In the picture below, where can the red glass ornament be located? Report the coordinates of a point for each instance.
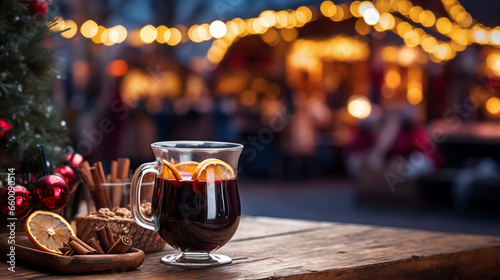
(68, 174)
(19, 197)
(74, 159)
(51, 193)
(39, 7)
(4, 126)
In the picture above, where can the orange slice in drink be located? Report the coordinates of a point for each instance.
(187, 166)
(168, 171)
(48, 231)
(221, 170)
(186, 169)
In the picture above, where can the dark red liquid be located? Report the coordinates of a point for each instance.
(194, 216)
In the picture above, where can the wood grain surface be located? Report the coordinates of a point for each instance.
(270, 248)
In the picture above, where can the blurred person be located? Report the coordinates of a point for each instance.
(391, 147)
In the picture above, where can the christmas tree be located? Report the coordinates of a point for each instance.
(27, 77)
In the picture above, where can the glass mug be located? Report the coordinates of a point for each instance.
(196, 204)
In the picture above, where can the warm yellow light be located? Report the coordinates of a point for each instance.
(339, 14)
(89, 29)
(289, 34)
(480, 35)
(427, 18)
(359, 107)
(121, 32)
(113, 35)
(403, 28)
(148, 34)
(160, 37)
(271, 37)
(364, 6)
(303, 14)
(371, 16)
(493, 63)
(258, 27)
(389, 54)
(495, 36)
(460, 36)
(268, 18)
(72, 29)
(386, 21)
(204, 32)
(361, 27)
(106, 39)
(282, 18)
(354, 8)
(175, 36)
(455, 10)
(442, 51)
(97, 37)
(242, 27)
(411, 39)
(218, 29)
(392, 78)
(429, 43)
(415, 13)
(443, 25)
(414, 96)
(448, 2)
(404, 7)
(467, 21)
(493, 105)
(248, 97)
(232, 29)
(327, 8)
(407, 55)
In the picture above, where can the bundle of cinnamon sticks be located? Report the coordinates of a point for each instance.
(104, 244)
(94, 178)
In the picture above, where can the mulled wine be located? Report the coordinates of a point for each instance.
(196, 216)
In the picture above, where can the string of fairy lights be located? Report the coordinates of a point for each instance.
(408, 21)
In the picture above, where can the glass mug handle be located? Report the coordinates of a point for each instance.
(135, 190)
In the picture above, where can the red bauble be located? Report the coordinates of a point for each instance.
(74, 159)
(4, 126)
(68, 174)
(39, 7)
(19, 198)
(51, 193)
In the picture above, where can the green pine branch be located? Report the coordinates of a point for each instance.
(27, 78)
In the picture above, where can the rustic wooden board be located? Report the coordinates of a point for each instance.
(267, 248)
(26, 251)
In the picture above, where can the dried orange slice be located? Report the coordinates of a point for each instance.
(48, 231)
(168, 171)
(187, 166)
(221, 170)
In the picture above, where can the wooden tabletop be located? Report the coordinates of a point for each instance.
(270, 248)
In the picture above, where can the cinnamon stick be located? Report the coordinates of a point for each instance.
(85, 169)
(102, 197)
(101, 172)
(103, 238)
(64, 249)
(114, 170)
(125, 169)
(83, 244)
(95, 244)
(121, 246)
(78, 249)
(109, 234)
